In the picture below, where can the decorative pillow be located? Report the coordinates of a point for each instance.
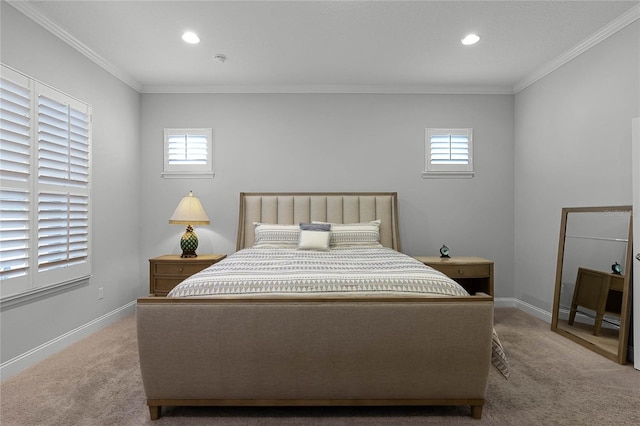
(315, 226)
(314, 240)
(365, 234)
(276, 236)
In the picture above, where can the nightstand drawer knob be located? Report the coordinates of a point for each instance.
(461, 271)
(181, 269)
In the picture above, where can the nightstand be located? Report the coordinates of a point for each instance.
(166, 272)
(475, 274)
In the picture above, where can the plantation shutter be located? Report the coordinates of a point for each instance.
(449, 149)
(63, 175)
(63, 151)
(15, 104)
(15, 159)
(45, 186)
(188, 153)
(187, 149)
(449, 152)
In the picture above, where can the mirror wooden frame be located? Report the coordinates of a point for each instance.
(620, 356)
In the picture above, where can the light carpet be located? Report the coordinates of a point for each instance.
(553, 382)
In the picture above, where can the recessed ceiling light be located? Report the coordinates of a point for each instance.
(191, 37)
(470, 39)
(220, 57)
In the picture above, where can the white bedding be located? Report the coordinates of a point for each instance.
(338, 272)
(335, 272)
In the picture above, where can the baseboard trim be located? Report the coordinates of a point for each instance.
(512, 302)
(21, 362)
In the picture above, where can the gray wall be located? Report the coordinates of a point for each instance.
(338, 142)
(115, 188)
(326, 142)
(573, 148)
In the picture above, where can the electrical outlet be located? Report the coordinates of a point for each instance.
(100, 292)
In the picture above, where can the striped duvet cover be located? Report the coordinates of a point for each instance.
(335, 272)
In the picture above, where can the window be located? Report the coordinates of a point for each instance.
(188, 153)
(45, 170)
(448, 153)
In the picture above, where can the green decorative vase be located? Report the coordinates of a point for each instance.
(189, 243)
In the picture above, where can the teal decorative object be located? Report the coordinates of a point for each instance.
(616, 268)
(189, 243)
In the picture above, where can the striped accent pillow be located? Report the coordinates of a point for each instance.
(276, 236)
(365, 234)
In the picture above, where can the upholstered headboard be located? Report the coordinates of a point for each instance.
(336, 207)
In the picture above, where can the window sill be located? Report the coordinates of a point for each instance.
(187, 175)
(447, 175)
(41, 292)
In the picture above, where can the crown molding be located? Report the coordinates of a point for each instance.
(605, 32)
(336, 89)
(35, 14)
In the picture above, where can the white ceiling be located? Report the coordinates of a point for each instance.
(330, 46)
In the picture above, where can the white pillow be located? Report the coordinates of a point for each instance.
(314, 240)
(276, 236)
(364, 234)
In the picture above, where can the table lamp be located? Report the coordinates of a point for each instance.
(189, 212)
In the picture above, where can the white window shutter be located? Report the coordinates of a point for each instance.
(79, 147)
(448, 153)
(45, 172)
(63, 152)
(449, 149)
(15, 106)
(15, 172)
(63, 229)
(63, 128)
(188, 153)
(14, 233)
(187, 149)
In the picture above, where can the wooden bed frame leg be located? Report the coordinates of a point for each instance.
(476, 411)
(154, 411)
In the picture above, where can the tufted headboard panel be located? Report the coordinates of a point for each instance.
(337, 207)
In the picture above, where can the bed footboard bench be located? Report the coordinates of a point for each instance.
(315, 352)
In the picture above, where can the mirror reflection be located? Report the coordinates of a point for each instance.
(592, 297)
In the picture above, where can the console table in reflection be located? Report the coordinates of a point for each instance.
(598, 291)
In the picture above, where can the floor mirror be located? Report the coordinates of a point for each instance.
(592, 297)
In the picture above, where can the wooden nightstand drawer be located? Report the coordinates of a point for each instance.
(179, 269)
(475, 274)
(166, 272)
(163, 285)
(464, 271)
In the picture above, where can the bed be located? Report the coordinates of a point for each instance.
(310, 342)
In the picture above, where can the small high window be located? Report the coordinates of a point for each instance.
(448, 153)
(188, 153)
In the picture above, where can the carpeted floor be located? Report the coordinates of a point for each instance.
(553, 382)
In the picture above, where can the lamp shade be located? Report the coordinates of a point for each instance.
(189, 212)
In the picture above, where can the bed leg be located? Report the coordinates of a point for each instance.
(154, 411)
(476, 411)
